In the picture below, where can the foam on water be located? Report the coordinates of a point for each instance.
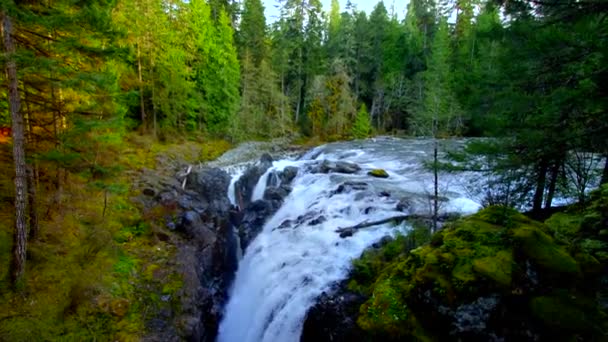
(298, 255)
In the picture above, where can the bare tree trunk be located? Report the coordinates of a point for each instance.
(436, 185)
(32, 171)
(552, 183)
(537, 201)
(605, 173)
(20, 237)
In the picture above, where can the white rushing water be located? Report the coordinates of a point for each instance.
(298, 254)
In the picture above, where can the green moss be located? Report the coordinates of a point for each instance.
(379, 173)
(588, 264)
(463, 272)
(592, 245)
(500, 215)
(497, 268)
(560, 313)
(541, 248)
(385, 311)
(564, 226)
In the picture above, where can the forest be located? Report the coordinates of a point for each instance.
(92, 89)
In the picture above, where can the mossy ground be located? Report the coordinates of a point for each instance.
(99, 266)
(551, 272)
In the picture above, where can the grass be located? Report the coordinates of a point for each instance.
(92, 272)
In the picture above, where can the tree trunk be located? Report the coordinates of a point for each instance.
(436, 186)
(605, 173)
(552, 184)
(537, 201)
(20, 237)
(32, 171)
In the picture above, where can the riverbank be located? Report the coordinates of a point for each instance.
(493, 276)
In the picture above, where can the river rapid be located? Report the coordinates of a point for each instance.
(298, 254)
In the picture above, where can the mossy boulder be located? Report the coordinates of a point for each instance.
(378, 173)
(497, 268)
(561, 312)
(563, 226)
(497, 253)
(543, 251)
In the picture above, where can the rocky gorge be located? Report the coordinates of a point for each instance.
(261, 259)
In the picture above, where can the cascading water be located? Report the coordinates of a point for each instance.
(298, 254)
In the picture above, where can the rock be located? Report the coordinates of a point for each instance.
(404, 205)
(288, 174)
(333, 318)
(543, 251)
(347, 233)
(211, 187)
(318, 221)
(149, 192)
(254, 218)
(244, 186)
(327, 166)
(474, 317)
(277, 194)
(497, 268)
(349, 186)
(378, 173)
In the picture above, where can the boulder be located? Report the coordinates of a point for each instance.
(254, 218)
(244, 186)
(378, 173)
(211, 188)
(288, 174)
(333, 318)
(327, 166)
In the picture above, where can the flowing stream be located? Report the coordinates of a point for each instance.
(298, 254)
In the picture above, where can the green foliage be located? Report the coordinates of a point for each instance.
(362, 125)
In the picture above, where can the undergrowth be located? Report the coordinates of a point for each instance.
(98, 266)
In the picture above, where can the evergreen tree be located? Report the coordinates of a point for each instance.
(362, 125)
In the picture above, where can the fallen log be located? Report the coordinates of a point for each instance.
(349, 231)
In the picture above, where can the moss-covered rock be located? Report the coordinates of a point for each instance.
(496, 253)
(378, 173)
(560, 312)
(497, 268)
(543, 250)
(564, 226)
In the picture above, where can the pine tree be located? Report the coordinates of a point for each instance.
(362, 125)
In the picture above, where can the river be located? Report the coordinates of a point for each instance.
(298, 254)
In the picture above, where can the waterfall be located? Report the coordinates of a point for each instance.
(260, 187)
(298, 254)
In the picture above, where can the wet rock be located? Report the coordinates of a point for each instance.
(378, 173)
(347, 233)
(277, 194)
(327, 166)
(254, 218)
(333, 318)
(244, 186)
(318, 221)
(348, 186)
(405, 205)
(288, 174)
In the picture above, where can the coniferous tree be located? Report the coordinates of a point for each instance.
(362, 125)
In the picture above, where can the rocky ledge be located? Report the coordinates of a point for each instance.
(493, 276)
(208, 232)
